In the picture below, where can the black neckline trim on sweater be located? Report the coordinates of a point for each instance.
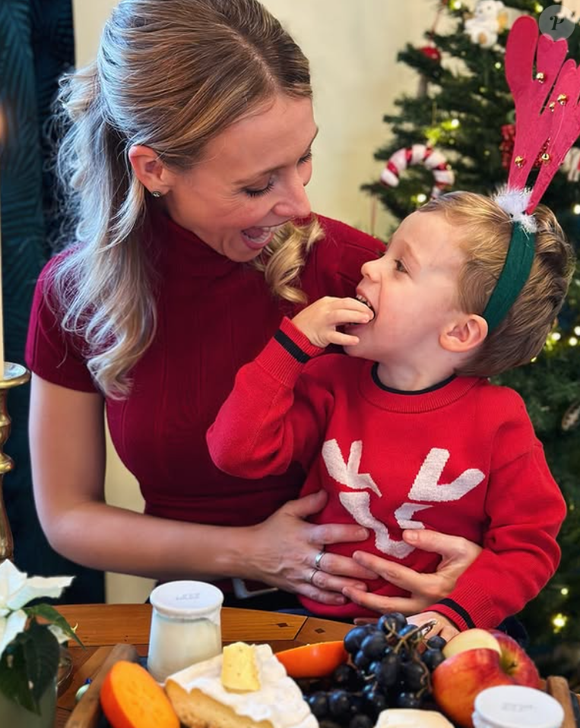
(433, 388)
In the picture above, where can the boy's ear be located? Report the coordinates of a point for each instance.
(464, 334)
(149, 169)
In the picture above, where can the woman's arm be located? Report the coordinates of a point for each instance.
(67, 443)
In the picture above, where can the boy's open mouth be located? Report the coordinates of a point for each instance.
(362, 299)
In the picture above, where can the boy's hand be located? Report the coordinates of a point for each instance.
(444, 626)
(320, 320)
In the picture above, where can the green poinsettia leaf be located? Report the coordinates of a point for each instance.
(45, 611)
(41, 656)
(13, 676)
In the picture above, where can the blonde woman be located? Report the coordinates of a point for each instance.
(186, 164)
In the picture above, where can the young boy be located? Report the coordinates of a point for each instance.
(407, 432)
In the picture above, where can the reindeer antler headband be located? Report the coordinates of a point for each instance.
(547, 123)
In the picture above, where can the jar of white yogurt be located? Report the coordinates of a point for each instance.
(185, 626)
(516, 706)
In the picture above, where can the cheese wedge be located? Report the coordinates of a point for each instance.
(239, 668)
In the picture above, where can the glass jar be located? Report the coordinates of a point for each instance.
(185, 626)
(515, 706)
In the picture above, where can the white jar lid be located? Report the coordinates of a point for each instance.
(515, 706)
(183, 599)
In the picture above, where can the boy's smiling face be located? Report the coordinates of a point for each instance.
(412, 290)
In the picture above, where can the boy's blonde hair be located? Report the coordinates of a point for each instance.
(488, 230)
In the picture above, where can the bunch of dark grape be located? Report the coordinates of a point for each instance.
(390, 666)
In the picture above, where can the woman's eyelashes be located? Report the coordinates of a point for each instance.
(264, 190)
(400, 267)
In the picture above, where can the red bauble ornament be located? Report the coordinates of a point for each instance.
(432, 52)
(508, 132)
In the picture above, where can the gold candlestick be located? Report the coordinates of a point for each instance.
(14, 376)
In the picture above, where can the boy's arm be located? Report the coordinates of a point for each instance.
(266, 423)
(526, 510)
(261, 427)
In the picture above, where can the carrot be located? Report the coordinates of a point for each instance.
(315, 660)
(131, 698)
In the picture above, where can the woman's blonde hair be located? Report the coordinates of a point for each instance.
(487, 234)
(170, 75)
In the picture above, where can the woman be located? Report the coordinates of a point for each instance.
(186, 161)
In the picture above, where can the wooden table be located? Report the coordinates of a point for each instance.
(102, 626)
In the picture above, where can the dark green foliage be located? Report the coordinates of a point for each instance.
(29, 665)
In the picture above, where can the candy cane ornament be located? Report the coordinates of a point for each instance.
(419, 154)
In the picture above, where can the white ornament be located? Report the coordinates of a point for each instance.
(490, 18)
(571, 165)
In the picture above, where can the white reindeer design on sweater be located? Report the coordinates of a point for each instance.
(426, 487)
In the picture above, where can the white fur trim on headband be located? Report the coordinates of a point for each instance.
(514, 202)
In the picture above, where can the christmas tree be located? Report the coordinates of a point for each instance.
(463, 113)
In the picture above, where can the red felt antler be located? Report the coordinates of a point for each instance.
(547, 110)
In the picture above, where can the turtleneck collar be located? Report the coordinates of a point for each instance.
(181, 251)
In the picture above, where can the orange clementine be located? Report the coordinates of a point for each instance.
(315, 660)
(131, 698)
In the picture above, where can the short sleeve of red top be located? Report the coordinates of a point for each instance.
(214, 315)
(50, 352)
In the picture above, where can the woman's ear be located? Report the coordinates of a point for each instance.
(149, 169)
(464, 334)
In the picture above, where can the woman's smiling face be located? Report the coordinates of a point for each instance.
(250, 181)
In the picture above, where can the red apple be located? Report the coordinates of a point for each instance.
(471, 639)
(516, 662)
(461, 677)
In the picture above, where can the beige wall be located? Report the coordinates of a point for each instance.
(352, 46)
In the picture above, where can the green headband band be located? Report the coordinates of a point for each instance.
(513, 277)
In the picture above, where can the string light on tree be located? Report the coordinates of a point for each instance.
(559, 621)
(564, 591)
(576, 209)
